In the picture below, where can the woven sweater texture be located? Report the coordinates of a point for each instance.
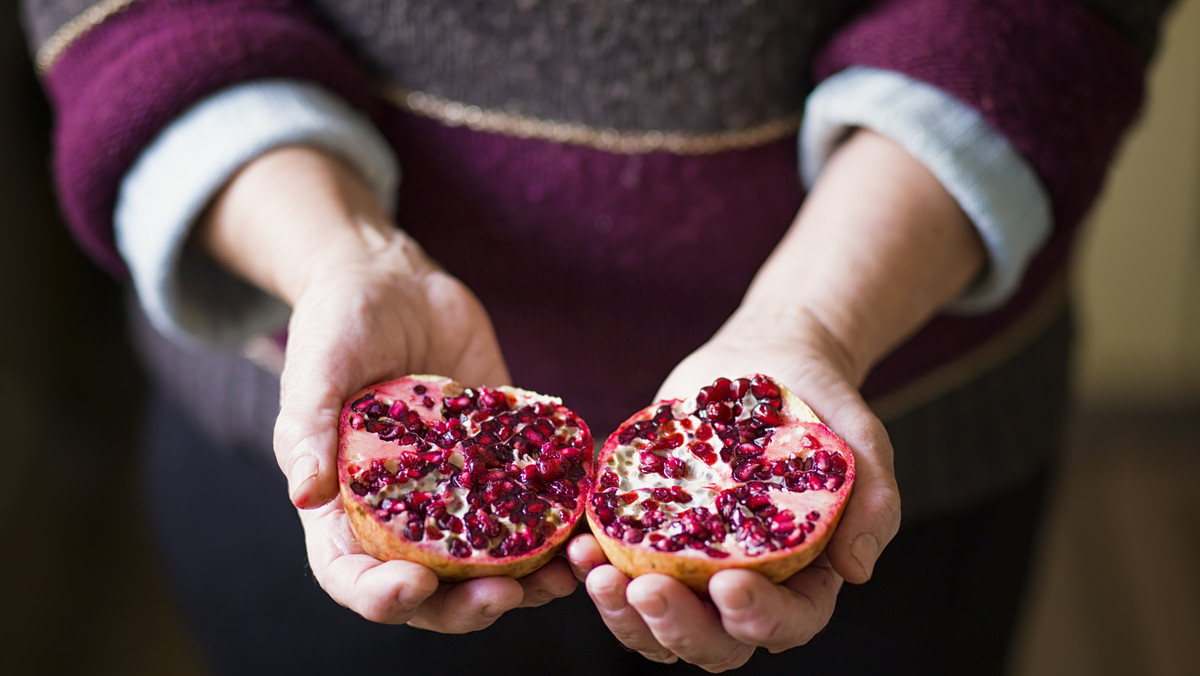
(602, 269)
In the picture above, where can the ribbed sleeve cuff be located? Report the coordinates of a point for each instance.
(975, 163)
(182, 291)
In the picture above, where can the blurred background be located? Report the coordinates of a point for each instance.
(1117, 589)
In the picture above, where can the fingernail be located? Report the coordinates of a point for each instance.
(610, 600)
(653, 606)
(304, 470)
(409, 597)
(865, 550)
(491, 612)
(736, 599)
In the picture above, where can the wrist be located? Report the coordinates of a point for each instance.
(796, 329)
(877, 249)
(297, 214)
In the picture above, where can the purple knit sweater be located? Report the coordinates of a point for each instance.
(602, 269)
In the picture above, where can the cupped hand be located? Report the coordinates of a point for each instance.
(663, 619)
(354, 326)
(368, 305)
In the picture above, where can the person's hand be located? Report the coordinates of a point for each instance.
(663, 619)
(878, 247)
(368, 305)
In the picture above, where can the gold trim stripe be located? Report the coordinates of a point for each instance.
(620, 141)
(960, 370)
(76, 28)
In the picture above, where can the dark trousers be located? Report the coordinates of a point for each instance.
(945, 597)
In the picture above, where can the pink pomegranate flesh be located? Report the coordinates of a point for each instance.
(468, 481)
(743, 474)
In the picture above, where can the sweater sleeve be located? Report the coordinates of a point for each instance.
(184, 293)
(991, 182)
(118, 83)
(1057, 80)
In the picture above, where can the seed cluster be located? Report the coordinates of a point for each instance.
(482, 474)
(731, 424)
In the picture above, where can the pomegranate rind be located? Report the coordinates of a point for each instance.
(383, 539)
(694, 567)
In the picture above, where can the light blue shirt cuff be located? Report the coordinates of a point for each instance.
(990, 180)
(184, 293)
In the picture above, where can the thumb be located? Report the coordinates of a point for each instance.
(872, 517)
(306, 430)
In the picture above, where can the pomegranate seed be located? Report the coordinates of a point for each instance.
(839, 465)
(746, 470)
(763, 388)
(413, 530)
(675, 468)
(703, 451)
(550, 468)
(739, 388)
(704, 433)
(767, 414)
(821, 461)
(749, 450)
(669, 544)
(609, 479)
(651, 463)
(718, 412)
(363, 403)
(796, 482)
(458, 548)
(794, 538)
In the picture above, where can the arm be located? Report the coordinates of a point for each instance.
(876, 252)
(368, 304)
(878, 247)
(363, 314)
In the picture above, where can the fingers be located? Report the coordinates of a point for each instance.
(458, 608)
(584, 554)
(686, 625)
(313, 387)
(305, 448)
(388, 592)
(552, 581)
(607, 587)
(777, 617)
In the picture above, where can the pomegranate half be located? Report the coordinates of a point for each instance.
(743, 475)
(470, 482)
